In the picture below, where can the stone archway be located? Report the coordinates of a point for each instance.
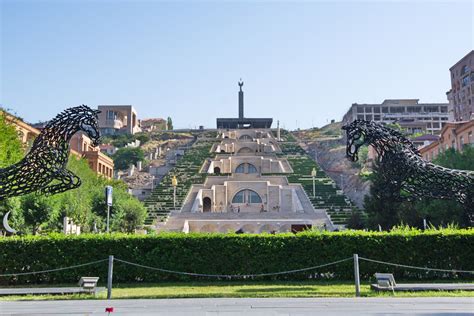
(206, 204)
(217, 170)
(245, 150)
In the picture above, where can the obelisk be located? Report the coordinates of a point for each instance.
(241, 100)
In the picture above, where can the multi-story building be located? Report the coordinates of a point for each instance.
(455, 135)
(461, 95)
(98, 161)
(81, 146)
(118, 119)
(415, 117)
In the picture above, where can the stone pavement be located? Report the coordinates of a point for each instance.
(247, 306)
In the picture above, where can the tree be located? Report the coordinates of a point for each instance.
(124, 157)
(10, 144)
(383, 202)
(169, 123)
(37, 210)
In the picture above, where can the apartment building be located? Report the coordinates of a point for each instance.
(118, 119)
(461, 94)
(455, 135)
(412, 115)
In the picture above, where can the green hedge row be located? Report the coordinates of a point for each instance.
(236, 254)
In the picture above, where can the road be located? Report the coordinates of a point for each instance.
(247, 306)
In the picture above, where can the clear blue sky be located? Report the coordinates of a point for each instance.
(303, 63)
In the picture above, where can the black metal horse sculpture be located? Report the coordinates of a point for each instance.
(43, 169)
(403, 166)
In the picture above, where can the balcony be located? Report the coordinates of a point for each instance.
(115, 124)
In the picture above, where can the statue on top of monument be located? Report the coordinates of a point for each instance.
(241, 83)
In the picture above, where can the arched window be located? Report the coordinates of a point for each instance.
(246, 168)
(247, 196)
(245, 137)
(240, 168)
(251, 169)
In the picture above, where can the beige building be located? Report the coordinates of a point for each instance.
(461, 94)
(98, 161)
(246, 146)
(118, 119)
(409, 113)
(245, 199)
(246, 164)
(455, 135)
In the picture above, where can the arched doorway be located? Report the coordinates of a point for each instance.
(206, 204)
(217, 170)
(245, 150)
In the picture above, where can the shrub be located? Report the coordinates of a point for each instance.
(237, 254)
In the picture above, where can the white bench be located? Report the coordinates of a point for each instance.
(88, 283)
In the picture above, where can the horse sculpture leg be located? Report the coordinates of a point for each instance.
(67, 181)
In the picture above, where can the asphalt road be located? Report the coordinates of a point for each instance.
(252, 307)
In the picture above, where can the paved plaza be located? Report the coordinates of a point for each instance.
(250, 306)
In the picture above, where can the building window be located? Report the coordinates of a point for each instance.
(247, 196)
(465, 69)
(465, 81)
(245, 137)
(360, 109)
(469, 138)
(461, 143)
(110, 115)
(397, 109)
(245, 168)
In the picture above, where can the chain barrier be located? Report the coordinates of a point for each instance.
(415, 267)
(230, 276)
(53, 270)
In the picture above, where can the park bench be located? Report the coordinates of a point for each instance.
(386, 282)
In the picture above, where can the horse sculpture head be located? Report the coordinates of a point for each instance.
(88, 123)
(381, 137)
(70, 121)
(356, 133)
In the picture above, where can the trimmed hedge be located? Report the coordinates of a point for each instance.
(236, 254)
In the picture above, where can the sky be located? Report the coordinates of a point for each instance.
(302, 63)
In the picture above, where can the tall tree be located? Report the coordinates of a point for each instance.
(10, 145)
(169, 123)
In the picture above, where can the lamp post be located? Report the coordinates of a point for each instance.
(174, 183)
(313, 174)
(108, 200)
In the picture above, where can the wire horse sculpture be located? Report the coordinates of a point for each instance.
(403, 166)
(43, 169)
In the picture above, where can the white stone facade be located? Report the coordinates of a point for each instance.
(245, 199)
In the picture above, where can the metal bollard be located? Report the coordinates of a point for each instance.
(109, 277)
(356, 275)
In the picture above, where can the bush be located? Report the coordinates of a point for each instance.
(237, 254)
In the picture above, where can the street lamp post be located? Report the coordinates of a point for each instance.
(313, 174)
(108, 201)
(174, 183)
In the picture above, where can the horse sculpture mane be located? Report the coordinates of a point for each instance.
(44, 167)
(403, 165)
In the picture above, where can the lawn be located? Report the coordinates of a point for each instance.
(241, 289)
